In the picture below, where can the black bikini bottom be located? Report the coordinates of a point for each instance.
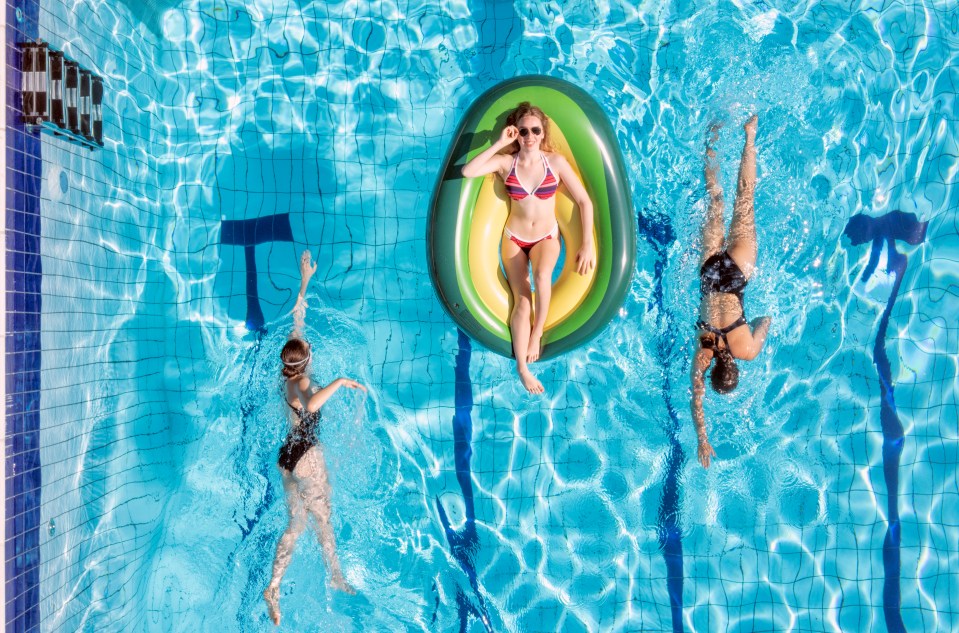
(721, 274)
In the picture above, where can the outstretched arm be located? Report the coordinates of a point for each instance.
(307, 268)
(760, 328)
(489, 160)
(700, 363)
(319, 398)
(586, 257)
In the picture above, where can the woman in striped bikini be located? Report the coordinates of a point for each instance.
(531, 235)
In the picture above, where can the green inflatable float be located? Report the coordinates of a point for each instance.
(468, 215)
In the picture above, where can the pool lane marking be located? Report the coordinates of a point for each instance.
(493, 40)
(249, 233)
(885, 231)
(659, 234)
(463, 545)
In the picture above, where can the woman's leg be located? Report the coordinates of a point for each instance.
(742, 233)
(284, 549)
(713, 225)
(543, 257)
(315, 490)
(517, 274)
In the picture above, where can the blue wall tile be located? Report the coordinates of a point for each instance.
(23, 304)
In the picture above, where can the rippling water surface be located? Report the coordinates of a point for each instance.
(591, 512)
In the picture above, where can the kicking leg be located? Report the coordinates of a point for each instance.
(517, 274)
(284, 549)
(315, 489)
(742, 233)
(543, 257)
(713, 225)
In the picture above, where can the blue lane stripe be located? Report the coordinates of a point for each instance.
(885, 230)
(670, 533)
(463, 545)
(659, 233)
(24, 305)
(249, 233)
(497, 25)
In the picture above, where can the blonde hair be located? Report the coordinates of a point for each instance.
(525, 109)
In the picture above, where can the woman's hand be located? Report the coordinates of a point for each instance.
(706, 451)
(585, 258)
(489, 161)
(352, 384)
(509, 134)
(307, 267)
(319, 398)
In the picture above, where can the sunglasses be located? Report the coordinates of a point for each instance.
(524, 131)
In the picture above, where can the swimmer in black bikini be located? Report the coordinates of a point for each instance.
(301, 462)
(724, 333)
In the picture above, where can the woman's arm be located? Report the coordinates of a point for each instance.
(488, 161)
(319, 398)
(760, 329)
(701, 361)
(299, 309)
(586, 257)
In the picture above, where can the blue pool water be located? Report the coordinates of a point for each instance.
(240, 133)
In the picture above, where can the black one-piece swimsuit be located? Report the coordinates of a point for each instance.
(300, 439)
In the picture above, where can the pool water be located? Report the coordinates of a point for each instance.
(460, 502)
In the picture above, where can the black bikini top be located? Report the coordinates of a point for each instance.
(718, 333)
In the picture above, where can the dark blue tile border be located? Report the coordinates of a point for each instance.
(23, 305)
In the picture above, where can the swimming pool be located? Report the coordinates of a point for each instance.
(143, 410)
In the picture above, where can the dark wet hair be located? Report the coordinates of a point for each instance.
(295, 356)
(527, 109)
(725, 374)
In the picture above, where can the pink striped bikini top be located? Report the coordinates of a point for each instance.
(545, 190)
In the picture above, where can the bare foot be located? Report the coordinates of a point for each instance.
(272, 597)
(535, 347)
(340, 584)
(750, 127)
(530, 382)
(713, 137)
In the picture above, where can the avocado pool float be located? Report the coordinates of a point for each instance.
(468, 215)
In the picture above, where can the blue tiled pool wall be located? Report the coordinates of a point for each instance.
(759, 543)
(22, 473)
(101, 423)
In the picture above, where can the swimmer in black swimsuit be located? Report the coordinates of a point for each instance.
(301, 462)
(724, 332)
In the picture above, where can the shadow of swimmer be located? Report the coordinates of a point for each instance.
(885, 231)
(463, 544)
